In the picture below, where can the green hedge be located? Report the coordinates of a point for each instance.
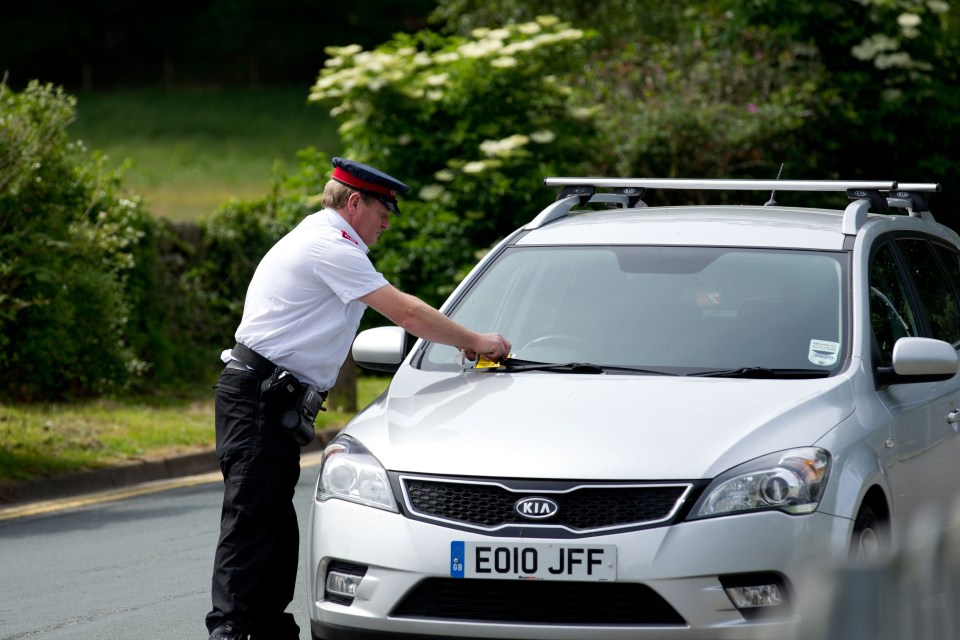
(68, 241)
(98, 296)
(472, 125)
(93, 295)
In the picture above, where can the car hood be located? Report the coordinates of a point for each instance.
(582, 426)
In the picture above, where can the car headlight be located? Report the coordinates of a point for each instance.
(792, 481)
(349, 472)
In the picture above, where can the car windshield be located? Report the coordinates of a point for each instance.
(679, 310)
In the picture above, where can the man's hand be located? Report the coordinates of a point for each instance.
(492, 346)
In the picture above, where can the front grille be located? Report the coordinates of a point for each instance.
(489, 505)
(537, 602)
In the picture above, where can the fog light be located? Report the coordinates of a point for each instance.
(341, 584)
(763, 595)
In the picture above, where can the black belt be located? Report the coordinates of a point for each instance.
(263, 367)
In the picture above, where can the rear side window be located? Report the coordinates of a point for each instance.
(891, 316)
(936, 292)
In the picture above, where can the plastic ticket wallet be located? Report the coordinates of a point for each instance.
(483, 363)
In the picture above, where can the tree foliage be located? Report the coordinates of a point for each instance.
(891, 69)
(719, 99)
(75, 255)
(681, 90)
(735, 88)
(472, 124)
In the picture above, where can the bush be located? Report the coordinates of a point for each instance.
(471, 124)
(98, 296)
(73, 251)
(722, 99)
(683, 89)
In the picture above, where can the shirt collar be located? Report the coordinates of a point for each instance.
(347, 231)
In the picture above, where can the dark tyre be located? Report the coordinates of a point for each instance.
(870, 537)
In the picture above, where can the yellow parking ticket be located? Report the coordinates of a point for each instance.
(483, 363)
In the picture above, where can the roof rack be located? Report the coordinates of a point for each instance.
(628, 193)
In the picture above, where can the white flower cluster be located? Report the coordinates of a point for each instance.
(885, 53)
(494, 42)
(351, 77)
(884, 50)
(115, 233)
(504, 148)
(496, 151)
(422, 74)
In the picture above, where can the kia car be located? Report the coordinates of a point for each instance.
(706, 409)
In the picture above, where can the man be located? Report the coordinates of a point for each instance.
(301, 313)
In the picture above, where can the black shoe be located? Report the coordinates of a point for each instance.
(230, 631)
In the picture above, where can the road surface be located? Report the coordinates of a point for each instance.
(102, 568)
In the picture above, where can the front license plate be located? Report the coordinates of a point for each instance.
(533, 561)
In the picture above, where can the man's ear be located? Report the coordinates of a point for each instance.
(353, 201)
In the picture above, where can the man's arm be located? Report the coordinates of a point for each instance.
(423, 321)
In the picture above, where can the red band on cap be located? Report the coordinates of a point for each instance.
(353, 181)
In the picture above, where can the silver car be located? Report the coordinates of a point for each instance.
(706, 406)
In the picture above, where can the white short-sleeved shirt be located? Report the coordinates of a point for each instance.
(301, 309)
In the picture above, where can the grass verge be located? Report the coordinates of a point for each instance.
(193, 150)
(46, 440)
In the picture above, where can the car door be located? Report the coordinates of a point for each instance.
(912, 294)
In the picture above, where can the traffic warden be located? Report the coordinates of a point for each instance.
(301, 313)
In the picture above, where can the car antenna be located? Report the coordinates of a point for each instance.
(772, 202)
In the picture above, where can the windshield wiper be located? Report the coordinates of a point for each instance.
(512, 365)
(762, 373)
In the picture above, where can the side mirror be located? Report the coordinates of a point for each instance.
(380, 349)
(921, 360)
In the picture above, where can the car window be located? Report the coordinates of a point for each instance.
(687, 308)
(937, 293)
(891, 316)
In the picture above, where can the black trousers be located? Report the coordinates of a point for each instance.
(255, 566)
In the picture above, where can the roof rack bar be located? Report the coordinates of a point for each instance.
(855, 216)
(555, 210)
(567, 201)
(735, 185)
(864, 194)
(919, 186)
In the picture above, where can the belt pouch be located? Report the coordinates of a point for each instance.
(299, 420)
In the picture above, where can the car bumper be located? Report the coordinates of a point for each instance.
(682, 564)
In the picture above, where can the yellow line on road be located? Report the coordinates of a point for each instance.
(112, 495)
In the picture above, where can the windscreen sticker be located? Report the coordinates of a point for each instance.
(823, 352)
(708, 298)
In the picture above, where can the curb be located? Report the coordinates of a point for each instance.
(124, 475)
